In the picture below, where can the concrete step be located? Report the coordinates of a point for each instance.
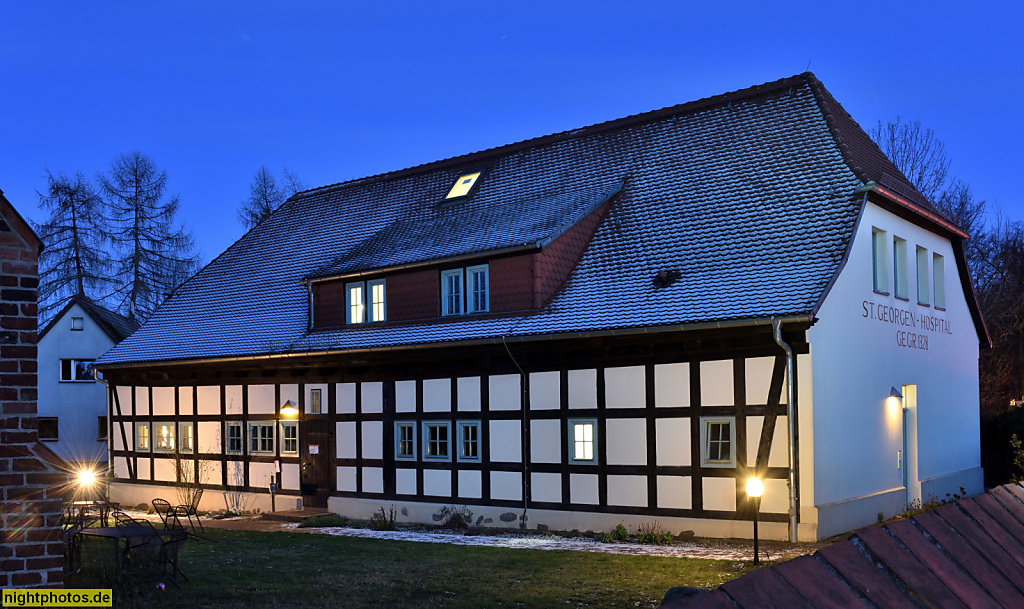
(294, 515)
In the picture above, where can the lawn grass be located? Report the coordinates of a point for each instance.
(257, 569)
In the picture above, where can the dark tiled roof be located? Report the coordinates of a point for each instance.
(115, 326)
(748, 195)
(969, 553)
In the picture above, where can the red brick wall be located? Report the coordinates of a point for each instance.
(415, 295)
(31, 552)
(511, 282)
(555, 263)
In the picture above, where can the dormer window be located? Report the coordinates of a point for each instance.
(364, 301)
(465, 290)
(463, 185)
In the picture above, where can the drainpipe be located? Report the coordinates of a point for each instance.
(108, 475)
(790, 419)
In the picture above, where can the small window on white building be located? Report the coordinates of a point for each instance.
(163, 440)
(718, 441)
(405, 441)
(939, 280)
(477, 284)
(900, 280)
(48, 429)
(76, 370)
(880, 260)
(233, 438)
(142, 437)
(451, 292)
(355, 302)
(77, 323)
(437, 441)
(314, 401)
(923, 293)
(469, 441)
(377, 305)
(289, 438)
(186, 437)
(583, 441)
(261, 438)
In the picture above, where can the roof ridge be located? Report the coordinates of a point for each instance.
(625, 121)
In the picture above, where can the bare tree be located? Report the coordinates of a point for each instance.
(917, 152)
(265, 195)
(152, 253)
(74, 262)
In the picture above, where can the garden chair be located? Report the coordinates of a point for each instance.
(168, 514)
(192, 509)
(149, 555)
(72, 537)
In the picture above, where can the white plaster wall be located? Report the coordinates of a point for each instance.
(545, 391)
(507, 486)
(857, 359)
(405, 481)
(143, 468)
(261, 399)
(469, 393)
(124, 397)
(470, 486)
(208, 400)
(675, 492)
(776, 497)
(583, 388)
(347, 479)
(546, 487)
(719, 494)
(345, 432)
(437, 482)
(373, 440)
(212, 471)
(290, 476)
(758, 378)
(546, 441)
(120, 467)
(437, 395)
(627, 490)
(236, 472)
(346, 397)
(583, 488)
(672, 445)
(506, 441)
(185, 401)
(163, 401)
(405, 396)
(163, 470)
(208, 438)
(233, 399)
(626, 441)
(672, 385)
(625, 387)
(716, 383)
(779, 455)
(290, 392)
(372, 397)
(261, 475)
(505, 392)
(142, 400)
(128, 434)
(373, 480)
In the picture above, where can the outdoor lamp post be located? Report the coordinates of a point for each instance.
(894, 400)
(755, 488)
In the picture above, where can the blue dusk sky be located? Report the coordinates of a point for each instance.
(334, 91)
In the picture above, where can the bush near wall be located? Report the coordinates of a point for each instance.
(997, 454)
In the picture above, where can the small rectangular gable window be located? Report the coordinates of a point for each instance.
(101, 429)
(922, 276)
(899, 275)
(289, 438)
(164, 440)
(355, 303)
(77, 323)
(436, 441)
(939, 280)
(718, 441)
(879, 260)
(261, 438)
(142, 437)
(76, 370)
(405, 441)
(48, 430)
(187, 440)
(469, 441)
(463, 185)
(476, 277)
(377, 308)
(314, 401)
(451, 292)
(233, 436)
(582, 440)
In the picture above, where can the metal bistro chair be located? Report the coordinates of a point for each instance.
(148, 555)
(72, 538)
(164, 510)
(192, 509)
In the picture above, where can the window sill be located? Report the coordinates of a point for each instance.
(937, 308)
(880, 293)
(437, 459)
(718, 465)
(406, 459)
(49, 439)
(903, 298)
(82, 381)
(924, 304)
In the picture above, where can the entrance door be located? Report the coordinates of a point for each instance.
(316, 440)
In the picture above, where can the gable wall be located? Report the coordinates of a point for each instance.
(555, 263)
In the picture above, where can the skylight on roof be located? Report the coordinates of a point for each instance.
(463, 185)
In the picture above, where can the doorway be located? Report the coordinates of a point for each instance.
(316, 449)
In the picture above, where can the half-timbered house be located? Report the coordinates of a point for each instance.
(616, 324)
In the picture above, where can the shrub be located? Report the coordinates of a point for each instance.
(381, 521)
(651, 532)
(456, 517)
(619, 533)
(323, 520)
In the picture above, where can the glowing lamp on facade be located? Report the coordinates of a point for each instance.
(85, 478)
(895, 400)
(289, 409)
(755, 488)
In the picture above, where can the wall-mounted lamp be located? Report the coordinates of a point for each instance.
(755, 488)
(895, 399)
(289, 409)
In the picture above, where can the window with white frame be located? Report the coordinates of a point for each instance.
(437, 440)
(718, 441)
(477, 299)
(451, 292)
(163, 437)
(378, 309)
(76, 370)
(186, 441)
(583, 441)
(939, 280)
(405, 441)
(261, 437)
(365, 301)
(879, 260)
(900, 280)
(289, 438)
(469, 441)
(466, 290)
(142, 437)
(233, 438)
(314, 401)
(77, 323)
(923, 293)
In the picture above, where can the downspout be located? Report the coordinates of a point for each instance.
(790, 419)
